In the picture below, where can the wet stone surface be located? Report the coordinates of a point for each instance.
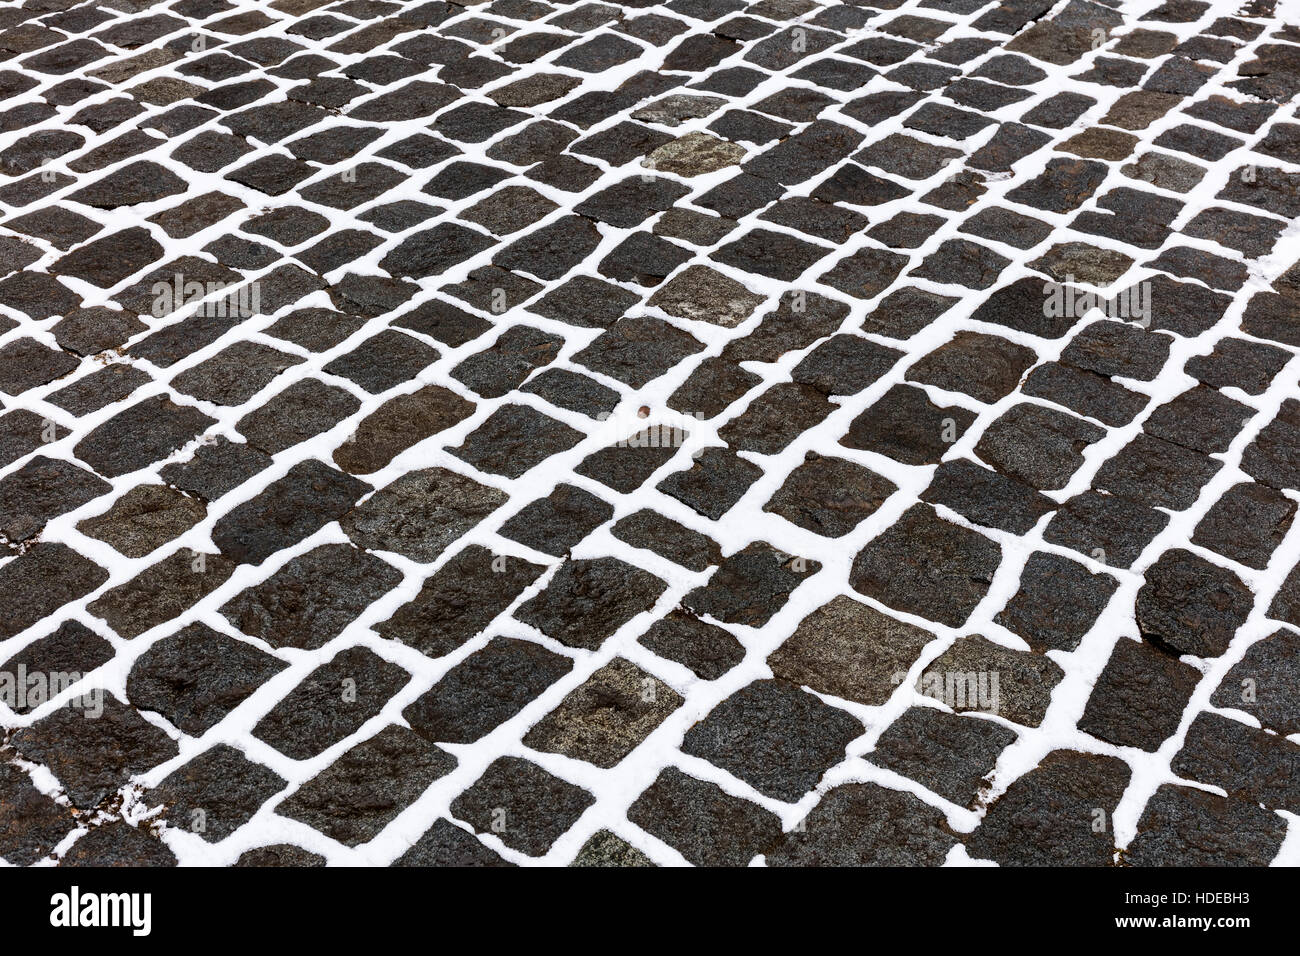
(655, 407)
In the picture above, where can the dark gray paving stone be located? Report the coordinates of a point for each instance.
(1155, 472)
(779, 739)
(118, 844)
(772, 254)
(606, 717)
(444, 322)
(629, 463)
(161, 591)
(551, 251)
(668, 539)
(1003, 225)
(848, 649)
(1247, 763)
(97, 329)
(586, 301)
(1117, 348)
(866, 273)
(905, 156)
(1037, 445)
(1065, 185)
(703, 822)
(845, 365)
(216, 468)
(829, 496)
(554, 524)
(383, 361)
(40, 581)
(93, 758)
(1139, 698)
(1050, 815)
(1190, 606)
(215, 793)
(358, 795)
(434, 250)
(986, 497)
(950, 754)
(1274, 456)
(140, 435)
(587, 600)
(1181, 826)
(1108, 528)
(905, 425)
(31, 824)
(445, 844)
(800, 320)
(975, 674)
(286, 511)
(776, 417)
(863, 824)
(514, 439)
(23, 431)
(144, 519)
(706, 649)
(1082, 262)
(485, 690)
(706, 295)
(279, 854)
(331, 703)
(927, 566)
(311, 599)
(1263, 683)
(1247, 524)
(421, 513)
(715, 481)
(986, 367)
(305, 409)
(138, 182)
(604, 848)
(750, 586)
(1184, 308)
(43, 489)
(459, 600)
(906, 311)
(1084, 392)
(711, 387)
(526, 807)
(399, 423)
(962, 262)
(57, 661)
(1058, 601)
(107, 261)
(505, 364)
(1249, 366)
(821, 220)
(196, 676)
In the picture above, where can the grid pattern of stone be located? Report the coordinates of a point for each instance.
(528, 432)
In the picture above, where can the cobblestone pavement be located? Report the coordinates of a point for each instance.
(708, 431)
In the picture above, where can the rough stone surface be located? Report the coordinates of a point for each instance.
(196, 676)
(528, 808)
(927, 566)
(1140, 696)
(1047, 817)
(774, 736)
(313, 598)
(605, 718)
(601, 391)
(848, 649)
(485, 690)
(1191, 606)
